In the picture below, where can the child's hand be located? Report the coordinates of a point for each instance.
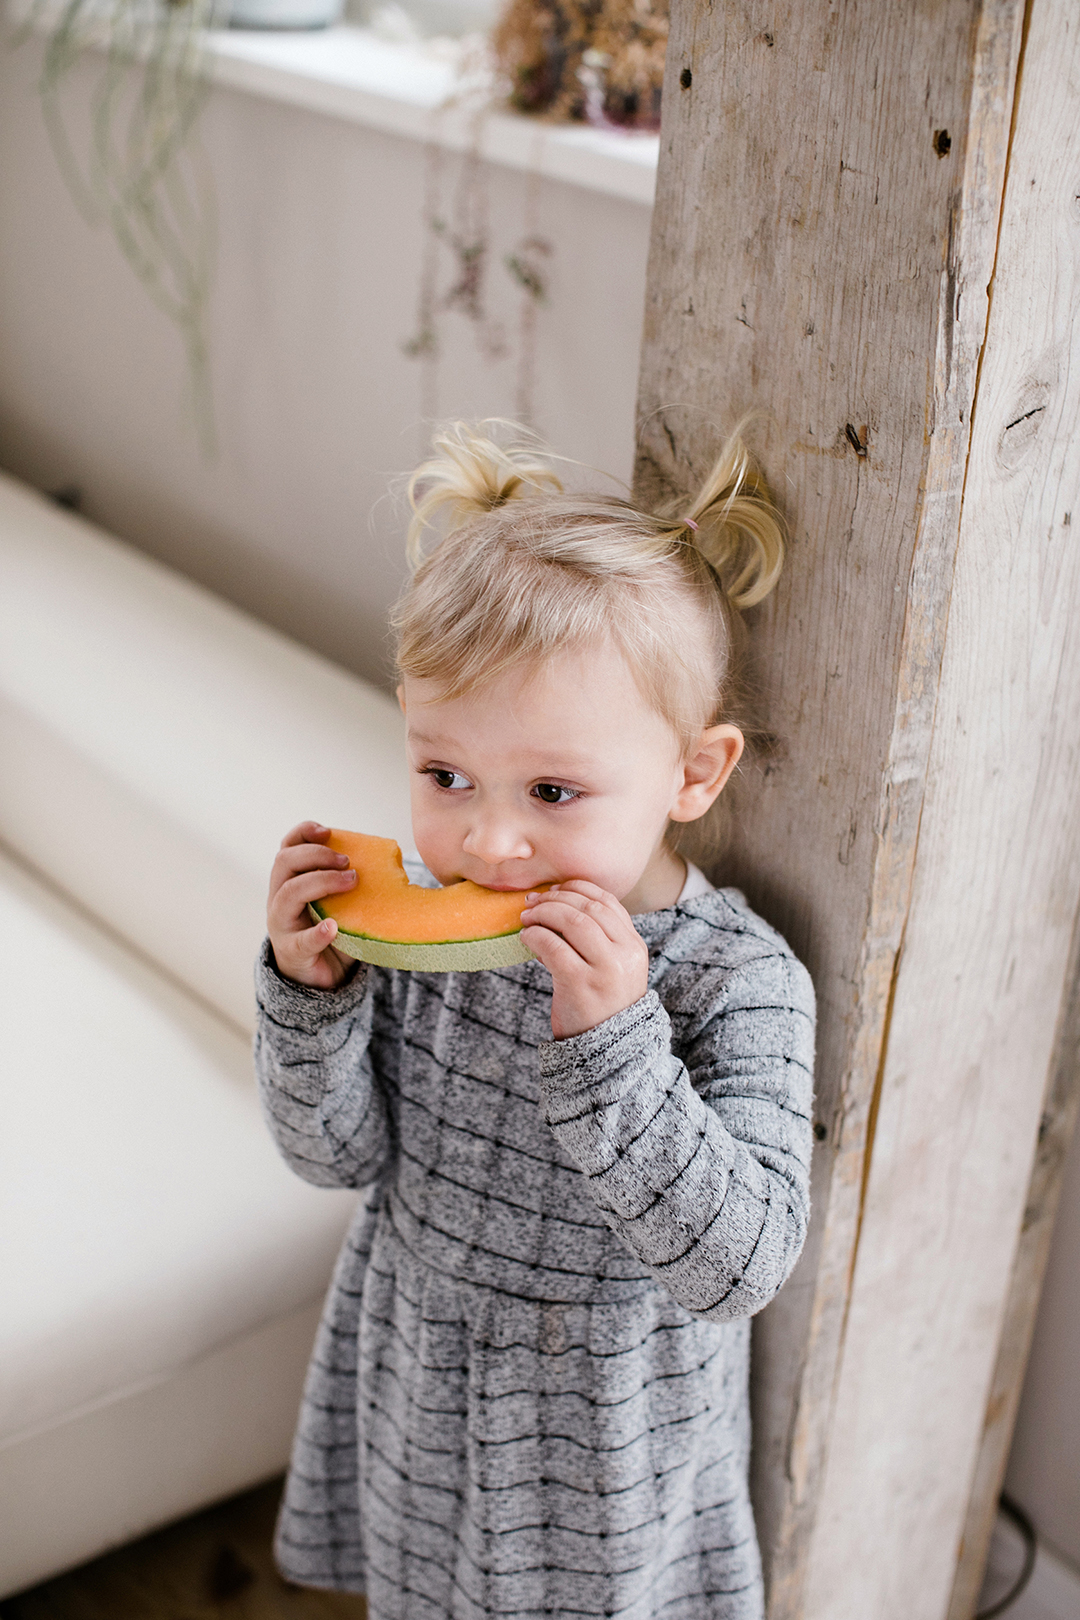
(598, 962)
(306, 870)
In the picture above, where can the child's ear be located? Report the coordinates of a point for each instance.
(400, 695)
(706, 770)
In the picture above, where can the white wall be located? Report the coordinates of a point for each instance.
(319, 271)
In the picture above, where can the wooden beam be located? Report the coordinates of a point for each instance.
(826, 229)
(986, 955)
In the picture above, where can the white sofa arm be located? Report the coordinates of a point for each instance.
(158, 742)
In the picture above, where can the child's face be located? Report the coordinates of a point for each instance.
(550, 774)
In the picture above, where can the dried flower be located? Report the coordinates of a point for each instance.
(601, 61)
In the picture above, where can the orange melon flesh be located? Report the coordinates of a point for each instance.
(388, 920)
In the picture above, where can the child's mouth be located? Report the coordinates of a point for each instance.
(515, 888)
(508, 886)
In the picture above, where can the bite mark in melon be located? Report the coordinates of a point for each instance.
(385, 919)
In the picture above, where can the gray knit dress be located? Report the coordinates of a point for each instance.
(528, 1396)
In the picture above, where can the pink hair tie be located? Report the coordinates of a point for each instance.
(690, 524)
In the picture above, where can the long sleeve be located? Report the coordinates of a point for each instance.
(701, 1167)
(323, 1102)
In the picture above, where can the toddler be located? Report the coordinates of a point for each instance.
(583, 1174)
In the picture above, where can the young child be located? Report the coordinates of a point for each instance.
(583, 1174)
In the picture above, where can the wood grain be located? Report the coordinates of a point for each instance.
(986, 947)
(825, 230)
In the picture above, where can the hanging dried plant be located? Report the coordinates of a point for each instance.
(601, 61)
(457, 235)
(137, 167)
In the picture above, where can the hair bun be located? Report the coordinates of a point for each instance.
(736, 526)
(471, 473)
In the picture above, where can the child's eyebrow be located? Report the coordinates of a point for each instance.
(563, 760)
(542, 761)
(432, 742)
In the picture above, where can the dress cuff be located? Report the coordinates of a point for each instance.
(300, 1006)
(582, 1060)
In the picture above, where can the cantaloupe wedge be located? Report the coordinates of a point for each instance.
(385, 919)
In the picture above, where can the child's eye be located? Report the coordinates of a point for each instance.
(552, 793)
(450, 780)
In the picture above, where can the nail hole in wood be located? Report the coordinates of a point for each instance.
(942, 142)
(821, 1131)
(686, 78)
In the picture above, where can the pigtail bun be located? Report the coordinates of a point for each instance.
(472, 473)
(736, 526)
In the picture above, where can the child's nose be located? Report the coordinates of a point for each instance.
(495, 838)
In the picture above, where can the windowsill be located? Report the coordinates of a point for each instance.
(415, 90)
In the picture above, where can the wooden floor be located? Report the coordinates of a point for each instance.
(215, 1564)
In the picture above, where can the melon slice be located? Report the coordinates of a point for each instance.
(385, 919)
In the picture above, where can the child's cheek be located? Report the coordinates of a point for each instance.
(430, 838)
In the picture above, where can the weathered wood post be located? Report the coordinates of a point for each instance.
(868, 227)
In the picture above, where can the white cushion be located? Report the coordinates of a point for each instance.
(112, 1472)
(151, 1243)
(157, 743)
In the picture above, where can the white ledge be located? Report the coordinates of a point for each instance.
(419, 91)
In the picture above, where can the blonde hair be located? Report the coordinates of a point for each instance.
(524, 570)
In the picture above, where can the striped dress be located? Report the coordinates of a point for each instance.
(528, 1396)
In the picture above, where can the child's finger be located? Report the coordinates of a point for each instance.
(296, 856)
(582, 930)
(309, 957)
(311, 942)
(305, 858)
(299, 858)
(306, 832)
(598, 902)
(552, 950)
(288, 904)
(610, 919)
(592, 890)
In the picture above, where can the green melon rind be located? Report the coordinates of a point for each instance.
(446, 956)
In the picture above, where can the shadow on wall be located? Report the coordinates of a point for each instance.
(1044, 1466)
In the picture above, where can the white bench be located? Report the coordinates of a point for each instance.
(160, 1270)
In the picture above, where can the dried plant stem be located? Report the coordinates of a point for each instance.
(138, 166)
(524, 266)
(463, 231)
